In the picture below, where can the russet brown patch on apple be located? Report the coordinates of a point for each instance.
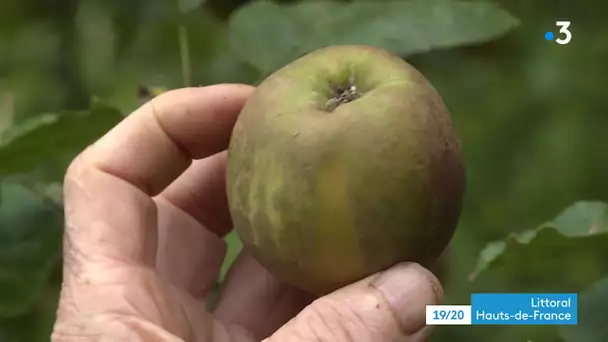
(342, 164)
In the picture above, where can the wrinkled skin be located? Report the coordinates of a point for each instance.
(323, 196)
(145, 210)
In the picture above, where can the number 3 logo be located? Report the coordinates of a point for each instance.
(564, 30)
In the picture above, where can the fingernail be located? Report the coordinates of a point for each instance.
(408, 288)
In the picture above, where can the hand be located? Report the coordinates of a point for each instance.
(146, 211)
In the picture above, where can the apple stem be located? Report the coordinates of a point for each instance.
(341, 96)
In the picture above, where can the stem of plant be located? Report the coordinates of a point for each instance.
(184, 51)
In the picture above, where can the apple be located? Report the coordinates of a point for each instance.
(341, 164)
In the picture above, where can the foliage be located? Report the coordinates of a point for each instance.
(268, 35)
(46, 138)
(565, 255)
(579, 234)
(531, 115)
(30, 232)
(593, 302)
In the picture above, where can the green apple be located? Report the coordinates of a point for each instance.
(342, 164)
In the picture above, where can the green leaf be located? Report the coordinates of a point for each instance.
(583, 218)
(52, 137)
(574, 244)
(7, 112)
(36, 325)
(269, 35)
(234, 247)
(592, 304)
(30, 243)
(214, 296)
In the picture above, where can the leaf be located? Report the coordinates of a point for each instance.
(7, 112)
(573, 244)
(214, 296)
(51, 137)
(189, 5)
(583, 218)
(30, 242)
(269, 35)
(234, 247)
(36, 325)
(592, 305)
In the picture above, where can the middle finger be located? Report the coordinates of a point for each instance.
(190, 246)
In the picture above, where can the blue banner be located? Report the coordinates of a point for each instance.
(524, 308)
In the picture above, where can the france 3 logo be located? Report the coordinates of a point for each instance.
(564, 36)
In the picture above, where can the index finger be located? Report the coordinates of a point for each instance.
(110, 214)
(158, 141)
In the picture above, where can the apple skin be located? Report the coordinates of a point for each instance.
(324, 197)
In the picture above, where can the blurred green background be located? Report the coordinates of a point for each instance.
(532, 116)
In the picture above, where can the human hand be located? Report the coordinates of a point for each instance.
(146, 211)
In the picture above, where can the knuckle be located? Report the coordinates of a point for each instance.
(77, 167)
(331, 320)
(74, 167)
(108, 327)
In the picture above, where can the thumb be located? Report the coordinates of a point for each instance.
(389, 306)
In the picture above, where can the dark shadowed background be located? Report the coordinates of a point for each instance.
(532, 115)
